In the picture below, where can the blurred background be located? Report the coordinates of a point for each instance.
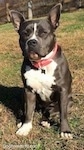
(35, 8)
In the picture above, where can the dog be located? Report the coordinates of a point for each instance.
(45, 72)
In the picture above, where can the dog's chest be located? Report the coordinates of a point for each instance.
(40, 82)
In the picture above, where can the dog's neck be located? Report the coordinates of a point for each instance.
(47, 59)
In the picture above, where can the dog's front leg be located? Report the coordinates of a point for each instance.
(30, 101)
(65, 129)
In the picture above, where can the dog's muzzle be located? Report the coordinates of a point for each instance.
(32, 48)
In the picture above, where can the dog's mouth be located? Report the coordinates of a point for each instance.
(33, 56)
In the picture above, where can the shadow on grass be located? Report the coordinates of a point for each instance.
(12, 98)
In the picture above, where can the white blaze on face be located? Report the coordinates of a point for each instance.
(34, 34)
(35, 27)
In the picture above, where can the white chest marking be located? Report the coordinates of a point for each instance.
(40, 82)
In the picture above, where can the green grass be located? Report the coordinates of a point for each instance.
(70, 35)
(6, 27)
(74, 21)
(73, 28)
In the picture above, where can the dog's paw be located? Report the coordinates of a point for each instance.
(45, 124)
(25, 129)
(66, 135)
(19, 125)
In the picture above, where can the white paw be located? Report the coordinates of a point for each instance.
(19, 125)
(25, 129)
(66, 135)
(45, 124)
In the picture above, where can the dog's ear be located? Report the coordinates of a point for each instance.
(54, 15)
(17, 18)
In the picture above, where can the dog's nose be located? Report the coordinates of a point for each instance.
(32, 42)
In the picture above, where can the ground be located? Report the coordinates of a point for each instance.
(70, 35)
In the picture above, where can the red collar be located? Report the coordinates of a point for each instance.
(47, 59)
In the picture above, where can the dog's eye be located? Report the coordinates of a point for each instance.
(29, 32)
(42, 33)
(26, 33)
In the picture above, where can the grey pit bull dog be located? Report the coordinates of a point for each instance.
(45, 72)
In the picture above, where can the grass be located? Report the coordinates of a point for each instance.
(70, 35)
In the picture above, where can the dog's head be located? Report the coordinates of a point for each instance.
(37, 37)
